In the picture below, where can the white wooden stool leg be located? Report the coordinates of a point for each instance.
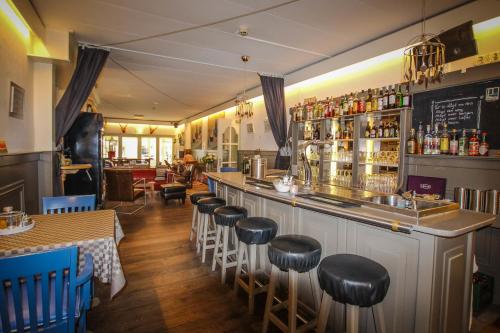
(293, 279)
(352, 318)
(262, 257)
(270, 297)
(218, 232)
(379, 318)
(324, 311)
(225, 239)
(193, 224)
(252, 259)
(241, 253)
(204, 237)
(199, 227)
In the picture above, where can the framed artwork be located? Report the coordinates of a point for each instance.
(196, 134)
(212, 130)
(16, 105)
(250, 128)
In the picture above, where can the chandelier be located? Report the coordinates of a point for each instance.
(424, 57)
(243, 106)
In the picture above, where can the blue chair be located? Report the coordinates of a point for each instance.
(42, 292)
(68, 204)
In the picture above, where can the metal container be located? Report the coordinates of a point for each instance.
(492, 202)
(258, 168)
(477, 200)
(462, 195)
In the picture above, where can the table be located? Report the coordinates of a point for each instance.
(96, 232)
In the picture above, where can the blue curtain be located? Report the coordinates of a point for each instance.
(273, 89)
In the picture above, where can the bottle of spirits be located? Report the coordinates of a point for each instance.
(428, 141)
(380, 100)
(385, 100)
(406, 98)
(368, 102)
(444, 142)
(355, 103)
(474, 144)
(396, 129)
(362, 102)
(392, 130)
(399, 98)
(484, 147)
(373, 131)
(367, 130)
(350, 102)
(316, 132)
(420, 139)
(375, 100)
(412, 143)
(338, 132)
(463, 144)
(435, 140)
(386, 130)
(392, 99)
(454, 142)
(380, 132)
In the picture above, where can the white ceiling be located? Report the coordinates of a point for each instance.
(176, 89)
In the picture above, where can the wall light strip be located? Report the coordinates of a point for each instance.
(8, 8)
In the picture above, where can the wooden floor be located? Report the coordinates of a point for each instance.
(169, 290)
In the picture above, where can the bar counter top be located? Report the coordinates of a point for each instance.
(449, 224)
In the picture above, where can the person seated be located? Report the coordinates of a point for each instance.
(188, 157)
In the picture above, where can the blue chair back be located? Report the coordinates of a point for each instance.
(38, 292)
(211, 185)
(68, 204)
(228, 169)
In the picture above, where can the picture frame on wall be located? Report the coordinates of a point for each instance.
(250, 128)
(16, 103)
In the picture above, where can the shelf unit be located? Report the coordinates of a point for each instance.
(324, 160)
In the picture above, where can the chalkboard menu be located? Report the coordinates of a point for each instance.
(474, 105)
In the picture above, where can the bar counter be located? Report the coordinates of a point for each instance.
(429, 259)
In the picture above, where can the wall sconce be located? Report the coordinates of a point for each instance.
(152, 129)
(123, 128)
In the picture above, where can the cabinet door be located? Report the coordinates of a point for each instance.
(232, 196)
(399, 255)
(252, 204)
(221, 191)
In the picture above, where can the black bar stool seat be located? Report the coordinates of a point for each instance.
(256, 230)
(297, 252)
(353, 279)
(229, 215)
(200, 195)
(208, 205)
(356, 282)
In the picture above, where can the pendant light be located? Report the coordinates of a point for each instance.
(424, 57)
(243, 106)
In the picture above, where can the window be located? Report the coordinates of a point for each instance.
(110, 144)
(129, 147)
(148, 149)
(166, 150)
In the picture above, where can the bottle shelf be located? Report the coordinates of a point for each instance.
(351, 116)
(390, 165)
(380, 139)
(338, 161)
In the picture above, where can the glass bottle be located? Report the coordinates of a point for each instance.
(386, 130)
(385, 99)
(474, 144)
(380, 132)
(435, 140)
(399, 98)
(463, 144)
(367, 130)
(350, 103)
(373, 131)
(380, 100)
(368, 102)
(428, 141)
(392, 99)
(453, 142)
(396, 129)
(375, 100)
(406, 98)
(444, 141)
(355, 103)
(412, 143)
(484, 147)
(420, 139)
(362, 102)
(392, 130)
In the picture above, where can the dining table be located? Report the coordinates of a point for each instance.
(96, 232)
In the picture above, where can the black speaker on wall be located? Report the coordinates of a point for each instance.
(459, 42)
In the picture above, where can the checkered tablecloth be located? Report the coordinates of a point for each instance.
(97, 232)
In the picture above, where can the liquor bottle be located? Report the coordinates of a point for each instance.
(453, 142)
(463, 144)
(428, 141)
(373, 131)
(386, 130)
(336, 111)
(412, 143)
(474, 144)
(444, 141)
(392, 130)
(406, 98)
(392, 98)
(338, 132)
(380, 132)
(399, 98)
(420, 139)
(368, 102)
(385, 99)
(350, 102)
(375, 100)
(435, 140)
(367, 130)
(355, 103)
(380, 100)
(484, 147)
(316, 132)
(396, 129)
(362, 102)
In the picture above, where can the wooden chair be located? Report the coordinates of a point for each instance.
(68, 204)
(42, 292)
(121, 186)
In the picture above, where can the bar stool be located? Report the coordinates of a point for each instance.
(195, 221)
(295, 254)
(206, 208)
(355, 281)
(225, 219)
(251, 232)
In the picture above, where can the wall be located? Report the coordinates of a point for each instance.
(139, 129)
(15, 66)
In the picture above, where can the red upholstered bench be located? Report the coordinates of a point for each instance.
(150, 175)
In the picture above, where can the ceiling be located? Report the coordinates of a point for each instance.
(282, 39)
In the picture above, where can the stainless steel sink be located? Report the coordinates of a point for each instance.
(415, 208)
